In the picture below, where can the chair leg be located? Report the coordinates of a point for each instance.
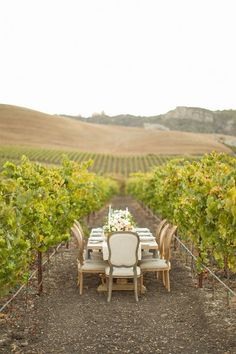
(163, 278)
(167, 276)
(81, 283)
(141, 284)
(136, 288)
(109, 288)
(103, 279)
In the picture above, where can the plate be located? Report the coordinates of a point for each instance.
(145, 234)
(95, 238)
(147, 238)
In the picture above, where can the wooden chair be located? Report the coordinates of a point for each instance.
(123, 247)
(161, 237)
(86, 265)
(165, 253)
(78, 224)
(155, 254)
(160, 226)
(94, 255)
(161, 264)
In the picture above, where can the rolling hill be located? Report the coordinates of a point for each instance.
(22, 126)
(188, 119)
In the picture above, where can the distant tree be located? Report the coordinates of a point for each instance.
(96, 114)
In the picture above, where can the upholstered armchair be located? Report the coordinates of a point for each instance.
(123, 250)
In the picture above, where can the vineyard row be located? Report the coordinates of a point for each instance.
(103, 164)
(200, 198)
(38, 206)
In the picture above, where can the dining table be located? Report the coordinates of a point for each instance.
(97, 241)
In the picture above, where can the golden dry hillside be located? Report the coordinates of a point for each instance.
(22, 126)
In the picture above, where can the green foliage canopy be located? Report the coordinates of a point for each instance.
(38, 205)
(199, 197)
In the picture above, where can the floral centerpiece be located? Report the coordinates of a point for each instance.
(119, 220)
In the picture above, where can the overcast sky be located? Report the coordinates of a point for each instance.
(141, 57)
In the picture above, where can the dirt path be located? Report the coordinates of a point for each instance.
(62, 321)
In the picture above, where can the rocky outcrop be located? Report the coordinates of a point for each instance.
(192, 113)
(200, 120)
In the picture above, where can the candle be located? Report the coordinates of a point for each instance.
(109, 215)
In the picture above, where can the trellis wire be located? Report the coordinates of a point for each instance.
(194, 257)
(30, 277)
(205, 267)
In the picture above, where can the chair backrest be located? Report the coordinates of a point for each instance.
(80, 241)
(77, 223)
(162, 237)
(159, 228)
(123, 248)
(167, 242)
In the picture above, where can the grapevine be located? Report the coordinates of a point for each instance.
(199, 197)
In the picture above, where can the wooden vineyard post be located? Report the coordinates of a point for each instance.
(192, 260)
(40, 273)
(200, 280)
(175, 243)
(226, 269)
(200, 275)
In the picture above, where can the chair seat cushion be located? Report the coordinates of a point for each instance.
(96, 265)
(122, 271)
(147, 259)
(154, 264)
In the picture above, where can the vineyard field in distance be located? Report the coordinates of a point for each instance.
(103, 164)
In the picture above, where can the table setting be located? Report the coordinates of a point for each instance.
(120, 220)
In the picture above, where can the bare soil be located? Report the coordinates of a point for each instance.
(186, 320)
(21, 126)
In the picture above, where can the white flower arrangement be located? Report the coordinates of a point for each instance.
(119, 220)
